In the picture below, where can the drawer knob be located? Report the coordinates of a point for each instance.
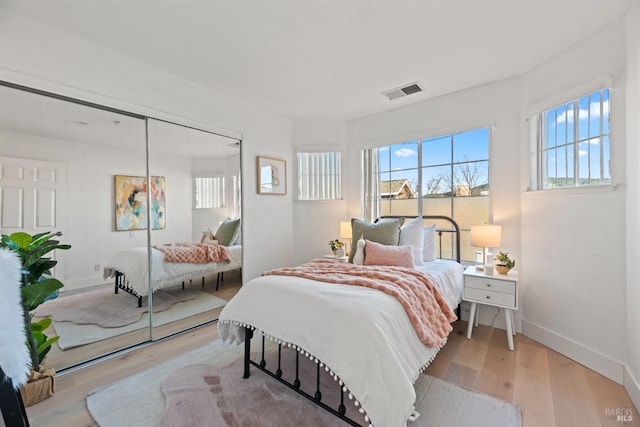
(488, 297)
(488, 285)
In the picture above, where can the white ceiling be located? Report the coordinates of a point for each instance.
(317, 58)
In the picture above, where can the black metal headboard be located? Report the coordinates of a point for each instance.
(455, 229)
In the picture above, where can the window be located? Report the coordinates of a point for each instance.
(574, 143)
(445, 175)
(319, 176)
(209, 192)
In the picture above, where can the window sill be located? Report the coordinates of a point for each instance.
(566, 191)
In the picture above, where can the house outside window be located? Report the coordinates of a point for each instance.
(574, 143)
(445, 175)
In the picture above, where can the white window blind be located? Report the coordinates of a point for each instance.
(209, 192)
(319, 176)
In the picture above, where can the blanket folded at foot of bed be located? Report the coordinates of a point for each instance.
(194, 253)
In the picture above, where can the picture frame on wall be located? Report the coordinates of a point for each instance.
(272, 176)
(131, 202)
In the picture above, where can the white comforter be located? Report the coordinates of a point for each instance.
(363, 335)
(133, 264)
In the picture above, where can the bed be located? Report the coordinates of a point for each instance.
(361, 336)
(129, 270)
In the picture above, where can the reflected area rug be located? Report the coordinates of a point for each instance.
(101, 314)
(205, 388)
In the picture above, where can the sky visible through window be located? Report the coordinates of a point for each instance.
(589, 140)
(439, 156)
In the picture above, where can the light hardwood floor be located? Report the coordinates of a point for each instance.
(550, 389)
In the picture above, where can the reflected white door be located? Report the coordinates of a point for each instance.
(31, 197)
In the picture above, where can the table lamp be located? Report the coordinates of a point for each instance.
(345, 233)
(486, 236)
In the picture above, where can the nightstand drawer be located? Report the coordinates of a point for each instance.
(485, 283)
(484, 296)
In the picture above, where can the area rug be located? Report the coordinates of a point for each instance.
(205, 387)
(194, 302)
(103, 307)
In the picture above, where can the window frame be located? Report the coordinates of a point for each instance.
(337, 194)
(541, 181)
(214, 196)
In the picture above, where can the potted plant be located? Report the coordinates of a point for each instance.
(336, 246)
(504, 264)
(37, 285)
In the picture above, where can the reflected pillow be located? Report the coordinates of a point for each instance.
(377, 254)
(386, 232)
(412, 234)
(429, 246)
(228, 231)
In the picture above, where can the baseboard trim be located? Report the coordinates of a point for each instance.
(604, 365)
(633, 388)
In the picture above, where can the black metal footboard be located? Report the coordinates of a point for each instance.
(316, 398)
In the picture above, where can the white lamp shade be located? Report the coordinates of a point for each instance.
(345, 229)
(486, 235)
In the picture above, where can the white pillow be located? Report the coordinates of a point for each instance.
(358, 258)
(429, 244)
(412, 234)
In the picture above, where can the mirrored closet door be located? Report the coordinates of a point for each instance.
(81, 169)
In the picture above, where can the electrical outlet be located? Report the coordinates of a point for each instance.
(97, 267)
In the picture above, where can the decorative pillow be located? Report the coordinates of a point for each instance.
(385, 232)
(358, 258)
(429, 246)
(412, 234)
(377, 254)
(228, 231)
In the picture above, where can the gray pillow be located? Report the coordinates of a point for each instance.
(228, 231)
(386, 232)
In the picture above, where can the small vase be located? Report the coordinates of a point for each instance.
(502, 269)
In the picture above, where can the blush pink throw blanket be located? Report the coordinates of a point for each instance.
(429, 313)
(194, 253)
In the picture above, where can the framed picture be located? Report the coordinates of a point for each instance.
(272, 176)
(131, 202)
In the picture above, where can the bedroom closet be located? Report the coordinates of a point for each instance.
(116, 183)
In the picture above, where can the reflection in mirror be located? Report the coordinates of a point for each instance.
(196, 258)
(82, 170)
(58, 161)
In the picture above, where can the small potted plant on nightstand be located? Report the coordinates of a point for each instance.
(503, 263)
(337, 247)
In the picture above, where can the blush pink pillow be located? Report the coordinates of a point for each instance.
(377, 254)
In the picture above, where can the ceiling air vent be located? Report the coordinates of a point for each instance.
(403, 91)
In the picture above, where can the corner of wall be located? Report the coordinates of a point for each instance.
(632, 386)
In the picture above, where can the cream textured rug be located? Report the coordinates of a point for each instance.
(103, 307)
(205, 388)
(168, 307)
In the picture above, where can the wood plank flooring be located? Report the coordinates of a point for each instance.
(551, 389)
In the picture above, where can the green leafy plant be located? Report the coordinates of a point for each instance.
(335, 244)
(503, 259)
(37, 285)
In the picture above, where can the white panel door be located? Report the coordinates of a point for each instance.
(32, 197)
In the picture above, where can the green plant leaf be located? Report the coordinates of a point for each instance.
(41, 325)
(35, 294)
(22, 239)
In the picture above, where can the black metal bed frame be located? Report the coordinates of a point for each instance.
(120, 282)
(295, 386)
(317, 397)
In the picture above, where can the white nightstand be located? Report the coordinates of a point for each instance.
(498, 290)
(336, 257)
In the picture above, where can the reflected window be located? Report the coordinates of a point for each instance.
(209, 192)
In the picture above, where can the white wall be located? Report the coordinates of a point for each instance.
(574, 241)
(632, 373)
(315, 223)
(41, 57)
